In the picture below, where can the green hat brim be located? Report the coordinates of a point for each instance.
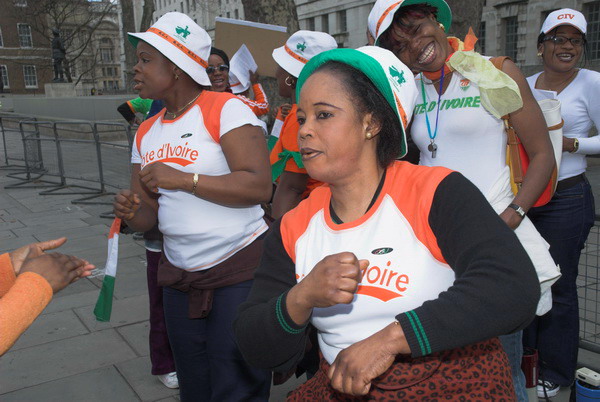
(365, 64)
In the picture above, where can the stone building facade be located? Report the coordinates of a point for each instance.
(512, 27)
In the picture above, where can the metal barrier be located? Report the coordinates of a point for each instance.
(79, 157)
(588, 289)
(11, 138)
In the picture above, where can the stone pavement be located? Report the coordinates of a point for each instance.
(66, 355)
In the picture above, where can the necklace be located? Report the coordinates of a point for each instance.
(559, 86)
(178, 112)
(432, 147)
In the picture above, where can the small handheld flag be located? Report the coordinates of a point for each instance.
(103, 307)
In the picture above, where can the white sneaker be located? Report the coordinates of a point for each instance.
(551, 389)
(169, 380)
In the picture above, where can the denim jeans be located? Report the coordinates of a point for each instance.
(209, 365)
(565, 223)
(513, 347)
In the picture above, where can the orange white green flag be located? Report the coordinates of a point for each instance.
(103, 307)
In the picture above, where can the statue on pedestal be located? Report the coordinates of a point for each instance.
(58, 56)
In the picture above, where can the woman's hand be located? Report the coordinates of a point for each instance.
(568, 144)
(126, 204)
(20, 255)
(511, 218)
(59, 270)
(158, 174)
(334, 280)
(356, 366)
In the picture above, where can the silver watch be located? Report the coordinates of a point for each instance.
(520, 211)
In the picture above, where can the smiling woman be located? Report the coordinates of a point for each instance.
(566, 220)
(458, 125)
(191, 170)
(397, 266)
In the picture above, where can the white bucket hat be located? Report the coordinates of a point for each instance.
(382, 14)
(391, 77)
(180, 40)
(564, 16)
(300, 48)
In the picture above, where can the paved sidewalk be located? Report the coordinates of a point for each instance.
(66, 355)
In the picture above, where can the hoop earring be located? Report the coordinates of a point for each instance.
(290, 82)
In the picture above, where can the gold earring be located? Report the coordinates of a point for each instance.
(442, 26)
(369, 136)
(290, 82)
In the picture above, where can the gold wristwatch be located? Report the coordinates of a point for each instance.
(575, 146)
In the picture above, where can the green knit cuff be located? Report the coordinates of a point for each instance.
(281, 318)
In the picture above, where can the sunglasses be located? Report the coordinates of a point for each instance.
(561, 40)
(212, 69)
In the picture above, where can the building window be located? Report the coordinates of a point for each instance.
(325, 23)
(1, 40)
(30, 76)
(228, 14)
(236, 13)
(24, 35)
(481, 37)
(592, 14)
(511, 27)
(4, 76)
(310, 24)
(106, 50)
(342, 22)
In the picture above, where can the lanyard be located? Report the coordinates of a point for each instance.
(437, 114)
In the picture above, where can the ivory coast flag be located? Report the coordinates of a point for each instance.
(104, 304)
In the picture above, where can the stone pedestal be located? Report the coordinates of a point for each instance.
(59, 89)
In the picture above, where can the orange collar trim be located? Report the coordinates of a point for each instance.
(179, 46)
(294, 55)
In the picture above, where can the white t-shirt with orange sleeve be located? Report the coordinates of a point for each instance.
(198, 234)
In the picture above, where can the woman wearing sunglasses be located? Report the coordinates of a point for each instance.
(566, 220)
(218, 70)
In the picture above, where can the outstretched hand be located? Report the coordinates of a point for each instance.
(58, 269)
(18, 256)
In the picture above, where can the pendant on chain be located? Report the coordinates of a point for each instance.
(432, 147)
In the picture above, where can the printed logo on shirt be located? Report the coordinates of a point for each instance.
(382, 250)
(456, 103)
(384, 284)
(182, 32)
(181, 155)
(186, 135)
(465, 84)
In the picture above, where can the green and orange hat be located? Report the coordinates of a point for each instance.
(391, 77)
(382, 14)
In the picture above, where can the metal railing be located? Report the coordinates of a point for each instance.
(82, 158)
(588, 289)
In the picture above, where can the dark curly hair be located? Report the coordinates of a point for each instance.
(221, 54)
(367, 99)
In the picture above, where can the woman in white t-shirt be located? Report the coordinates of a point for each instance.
(457, 124)
(566, 220)
(201, 167)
